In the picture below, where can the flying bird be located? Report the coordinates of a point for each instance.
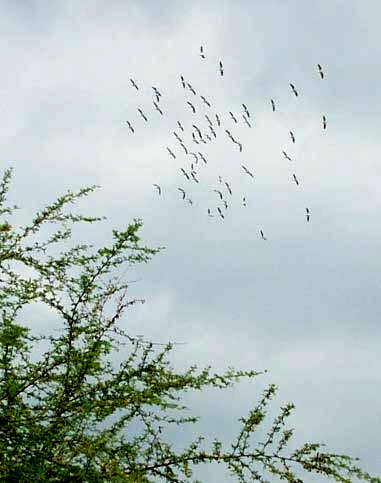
(158, 188)
(184, 147)
(246, 111)
(197, 129)
(213, 131)
(295, 179)
(185, 174)
(324, 122)
(180, 125)
(247, 171)
(183, 192)
(195, 156)
(243, 201)
(208, 137)
(219, 194)
(320, 71)
(192, 107)
(202, 55)
(182, 81)
(229, 134)
(273, 105)
(228, 187)
(158, 108)
(294, 90)
(205, 101)
(134, 84)
(246, 120)
(202, 157)
(208, 119)
(194, 177)
(171, 153)
(189, 200)
(220, 212)
(308, 214)
(292, 136)
(209, 213)
(130, 127)
(194, 138)
(191, 88)
(143, 115)
(221, 69)
(239, 145)
(157, 93)
(225, 204)
(220, 179)
(286, 155)
(218, 120)
(262, 235)
(233, 117)
(177, 137)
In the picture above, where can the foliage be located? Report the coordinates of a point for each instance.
(71, 415)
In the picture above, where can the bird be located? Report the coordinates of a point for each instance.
(194, 138)
(294, 90)
(229, 134)
(246, 120)
(262, 235)
(197, 129)
(195, 156)
(213, 131)
(218, 120)
(185, 174)
(208, 137)
(286, 155)
(208, 119)
(202, 157)
(219, 194)
(158, 188)
(177, 137)
(295, 179)
(192, 107)
(243, 201)
(143, 115)
(183, 192)
(156, 91)
(320, 71)
(180, 125)
(157, 97)
(221, 69)
(202, 55)
(209, 213)
(273, 105)
(171, 153)
(246, 111)
(239, 145)
(158, 108)
(182, 81)
(203, 140)
(220, 179)
(205, 101)
(191, 88)
(247, 171)
(220, 212)
(308, 214)
(225, 204)
(189, 200)
(324, 122)
(228, 187)
(292, 136)
(130, 127)
(134, 84)
(194, 177)
(233, 117)
(184, 147)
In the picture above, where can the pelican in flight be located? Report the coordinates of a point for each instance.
(324, 122)
(286, 155)
(202, 55)
(182, 81)
(221, 69)
(197, 129)
(180, 125)
(294, 90)
(177, 137)
(194, 177)
(213, 131)
(194, 138)
(192, 107)
(191, 88)
(134, 84)
(183, 192)
(273, 105)
(320, 69)
(295, 179)
(205, 101)
(209, 213)
(262, 235)
(247, 171)
(243, 201)
(130, 127)
(292, 136)
(246, 111)
(219, 194)
(189, 200)
(202, 157)
(157, 108)
(218, 120)
(195, 157)
(233, 117)
(220, 212)
(225, 204)
(158, 188)
(143, 115)
(208, 119)
(246, 120)
(239, 145)
(171, 153)
(308, 214)
(184, 147)
(185, 174)
(228, 187)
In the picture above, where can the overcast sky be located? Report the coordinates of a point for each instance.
(305, 303)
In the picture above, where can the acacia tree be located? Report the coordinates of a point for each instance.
(72, 414)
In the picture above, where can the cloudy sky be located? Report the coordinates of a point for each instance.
(303, 304)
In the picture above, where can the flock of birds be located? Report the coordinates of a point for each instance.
(200, 134)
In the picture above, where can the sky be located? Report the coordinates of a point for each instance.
(304, 303)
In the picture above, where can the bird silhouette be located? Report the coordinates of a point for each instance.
(197, 129)
(320, 69)
(205, 101)
(191, 88)
(158, 108)
(295, 179)
(219, 194)
(213, 131)
(246, 120)
(218, 120)
(192, 107)
(194, 138)
(294, 90)
(324, 122)
(262, 235)
(184, 147)
(183, 192)
(182, 81)
(143, 115)
(171, 153)
(134, 84)
(247, 171)
(202, 55)
(220, 212)
(177, 137)
(195, 157)
(208, 119)
(209, 213)
(185, 174)
(286, 155)
(180, 125)
(244, 201)
(308, 214)
(228, 187)
(158, 188)
(273, 105)
(130, 127)
(202, 157)
(246, 111)
(292, 136)
(194, 177)
(221, 69)
(233, 117)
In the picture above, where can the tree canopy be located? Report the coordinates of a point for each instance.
(71, 413)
